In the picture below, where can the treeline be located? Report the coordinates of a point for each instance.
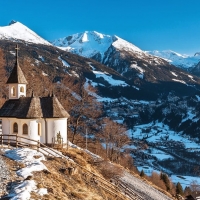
(162, 181)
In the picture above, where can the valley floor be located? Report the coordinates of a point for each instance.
(167, 151)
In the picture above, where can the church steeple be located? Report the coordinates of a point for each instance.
(17, 75)
(17, 82)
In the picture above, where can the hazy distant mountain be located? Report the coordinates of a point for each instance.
(16, 31)
(182, 61)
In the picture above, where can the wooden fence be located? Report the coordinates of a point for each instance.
(20, 141)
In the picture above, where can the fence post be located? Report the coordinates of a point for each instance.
(38, 145)
(1, 141)
(8, 141)
(67, 144)
(17, 141)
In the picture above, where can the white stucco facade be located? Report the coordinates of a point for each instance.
(38, 129)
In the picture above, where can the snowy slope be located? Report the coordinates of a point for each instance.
(90, 43)
(182, 61)
(16, 31)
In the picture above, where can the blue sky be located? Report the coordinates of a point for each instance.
(149, 24)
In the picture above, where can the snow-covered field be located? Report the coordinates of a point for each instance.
(32, 161)
(159, 132)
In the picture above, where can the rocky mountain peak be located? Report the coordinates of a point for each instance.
(12, 22)
(16, 31)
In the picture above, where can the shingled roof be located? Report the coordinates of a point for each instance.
(33, 107)
(17, 75)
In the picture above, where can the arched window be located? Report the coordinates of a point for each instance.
(22, 89)
(39, 129)
(25, 129)
(15, 128)
(13, 91)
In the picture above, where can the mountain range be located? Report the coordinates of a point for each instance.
(92, 44)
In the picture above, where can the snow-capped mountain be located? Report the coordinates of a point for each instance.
(16, 31)
(91, 43)
(182, 61)
(138, 66)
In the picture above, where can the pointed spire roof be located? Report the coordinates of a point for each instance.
(17, 75)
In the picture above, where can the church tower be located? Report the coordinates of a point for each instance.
(17, 82)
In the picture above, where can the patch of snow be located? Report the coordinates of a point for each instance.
(185, 180)
(191, 77)
(23, 190)
(119, 43)
(44, 74)
(141, 76)
(32, 161)
(198, 97)
(190, 115)
(41, 58)
(37, 62)
(13, 53)
(75, 74)
(109, 79)
(27, 156)
(180, 81)
(174, 74)
(42, 191)
(135, 66)
(65, 64)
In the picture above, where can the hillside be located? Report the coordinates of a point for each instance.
(52, 178)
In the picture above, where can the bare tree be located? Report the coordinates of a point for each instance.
(113, 135)
(85, 110)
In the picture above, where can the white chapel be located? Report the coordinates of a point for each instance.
(37, 118)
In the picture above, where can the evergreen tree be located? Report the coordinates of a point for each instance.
(179, 189)
(142, 173)
(166, 180)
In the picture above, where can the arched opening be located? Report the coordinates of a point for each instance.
(13, 91)
(22, 89)
(39, 129)
(25, 129)
(15, 128)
